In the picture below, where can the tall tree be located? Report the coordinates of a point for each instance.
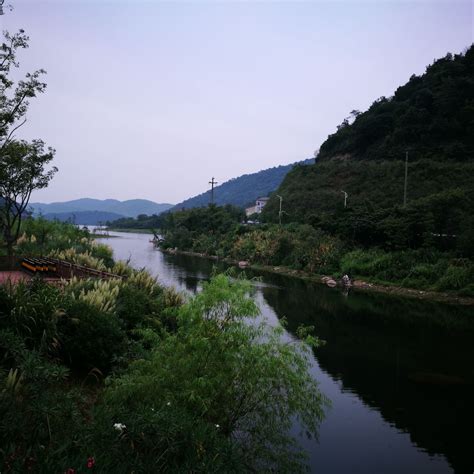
(22, 170)
(22, 164)
(15, 95)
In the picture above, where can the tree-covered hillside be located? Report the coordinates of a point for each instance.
(244, 190)
(432, 116)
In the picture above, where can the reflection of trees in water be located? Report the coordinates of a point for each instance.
(190, 283)
(376, 345)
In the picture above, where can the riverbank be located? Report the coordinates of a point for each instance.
(102, 236)
(130, 231)
(357, 284)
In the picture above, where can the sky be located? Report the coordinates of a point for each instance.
(150, 99)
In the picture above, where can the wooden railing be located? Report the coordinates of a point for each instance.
(69, 270)
(63, 269)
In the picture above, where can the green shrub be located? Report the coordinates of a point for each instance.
(364, 262)
(40, 418)
(136, 307)
(32, 312)
(103, 252)
(157, 436)
(6, 305)
(40, 237)
(90, 338)
(216, 376)
(454, 278)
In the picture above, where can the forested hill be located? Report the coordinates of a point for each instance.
(431, 116)
(244, 190)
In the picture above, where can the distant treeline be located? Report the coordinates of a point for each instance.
(212, 218)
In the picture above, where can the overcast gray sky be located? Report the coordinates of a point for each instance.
(150, 99)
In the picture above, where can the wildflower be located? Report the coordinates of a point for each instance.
(168, 404)
(90, 462)
(218, 426)
(119, 426)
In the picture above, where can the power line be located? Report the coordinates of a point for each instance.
(212, 183)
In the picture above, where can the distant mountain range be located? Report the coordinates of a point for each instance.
(244, 190)
(84, 217)
(88, 209)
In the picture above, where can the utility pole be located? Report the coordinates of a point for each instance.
(280, 212)
(212, 183)
(345, 198)
(406, 180)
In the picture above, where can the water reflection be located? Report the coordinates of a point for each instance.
(412, 361)
(399, 372)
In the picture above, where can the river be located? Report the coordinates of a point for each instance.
(399, 372)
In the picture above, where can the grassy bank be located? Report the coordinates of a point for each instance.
(307, 251)
(312, 251)
(366, 284)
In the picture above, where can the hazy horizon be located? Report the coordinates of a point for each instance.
(162, 96)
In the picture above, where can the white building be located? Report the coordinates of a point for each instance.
(259, 205)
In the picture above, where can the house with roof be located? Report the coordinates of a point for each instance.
(259, 205)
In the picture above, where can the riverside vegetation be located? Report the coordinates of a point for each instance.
(218, 231)
(125, 375)
(427, 244)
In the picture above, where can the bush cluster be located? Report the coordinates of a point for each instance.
(124, 375)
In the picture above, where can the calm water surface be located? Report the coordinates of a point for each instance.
(399, 372)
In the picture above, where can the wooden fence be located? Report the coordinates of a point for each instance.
(66, 270)
(69, 270)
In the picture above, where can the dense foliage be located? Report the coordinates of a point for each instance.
(40, 237)
(210, 220)
(123, 375)
(432, 114)
(315, 251)
(141, 222)
(438, 214)
(218, 395)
